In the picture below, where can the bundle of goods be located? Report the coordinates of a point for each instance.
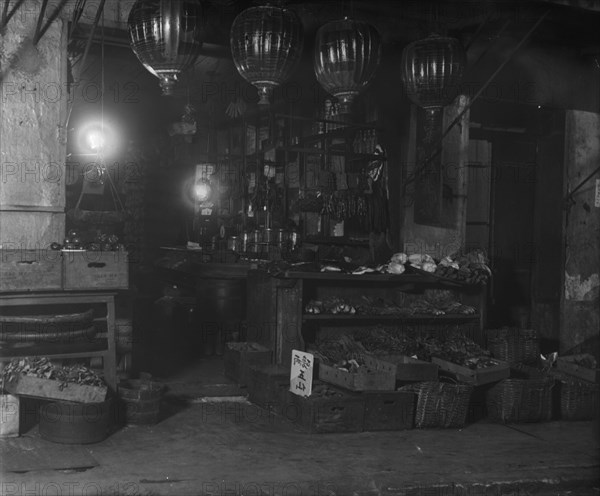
(514, 345)
(526, 396)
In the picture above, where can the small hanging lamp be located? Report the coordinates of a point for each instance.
(166, 36)
(266, 44)
(347, 53)
(432, 70)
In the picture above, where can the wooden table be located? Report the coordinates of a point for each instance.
(103, 346)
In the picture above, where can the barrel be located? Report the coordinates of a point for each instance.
(67, 422)
(140, 401)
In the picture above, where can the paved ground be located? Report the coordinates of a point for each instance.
(227, 447)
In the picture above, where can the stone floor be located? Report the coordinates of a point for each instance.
(211, 441)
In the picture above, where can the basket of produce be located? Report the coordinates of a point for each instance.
(526, 396)
(474, 370)
(574, 398)
(440, 404)
(514, 345)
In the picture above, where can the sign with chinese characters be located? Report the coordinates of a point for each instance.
(301, 373)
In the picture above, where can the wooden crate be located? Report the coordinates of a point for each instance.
(377, 376)
(389, 410)
(571, 365)
(239, 357)
(268, 386)
(30, 270)
(410, 369)
(327, 410)
(31, 230)
(84, 269)
(476, 377)
(36, 387)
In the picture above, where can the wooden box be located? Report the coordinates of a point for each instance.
(389, 410)
(377, 376)
(326, 410)
(410, 369)
(268, 386)
(477, 377)
(51, 389)
(95, 269)
(30, 270)
(9, 415)
(239, 357)
(575, 365)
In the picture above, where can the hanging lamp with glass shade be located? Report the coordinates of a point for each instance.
(432, 71)
(166, 36)
(347, 54)
(266, 45)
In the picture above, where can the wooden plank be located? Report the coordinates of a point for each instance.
(35, 387)
(289, 323)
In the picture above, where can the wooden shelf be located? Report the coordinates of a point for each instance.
(449, 318)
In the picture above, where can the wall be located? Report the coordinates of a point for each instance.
(32, 133)
(581, 301)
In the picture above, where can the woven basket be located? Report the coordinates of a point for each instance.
(575, 398)
(514, 345)
(440, 404)
(525, 397)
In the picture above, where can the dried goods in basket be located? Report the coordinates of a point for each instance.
(526, 396)
(514, 345)
(441, 404)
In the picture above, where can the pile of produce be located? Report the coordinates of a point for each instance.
(44, 369)
(344, 353)
(384, 341)
(471, 268)
(331, 304)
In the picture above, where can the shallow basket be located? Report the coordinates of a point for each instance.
(575, 399)
(525, 397)
(440, 404)
(514, 345)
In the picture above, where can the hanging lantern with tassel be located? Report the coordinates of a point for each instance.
(432, 70)
(266, 44)
(347, 53)
(166, 36)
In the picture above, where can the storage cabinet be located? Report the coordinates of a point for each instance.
(26, 335)
(276, 318)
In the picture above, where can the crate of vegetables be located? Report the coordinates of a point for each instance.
(238, 357)
(474, 370)
(582, 365)
(327, 410)
(389, 410)
(409, 369)
(362, 373)
(40, 378)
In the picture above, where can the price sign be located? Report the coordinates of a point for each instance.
(301, 373)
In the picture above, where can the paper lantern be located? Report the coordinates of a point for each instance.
(347, 53)
(266, 44)
(166, 36)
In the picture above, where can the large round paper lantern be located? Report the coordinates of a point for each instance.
(347, 53)
(166, 36)
(266, 44)
(432, 70)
